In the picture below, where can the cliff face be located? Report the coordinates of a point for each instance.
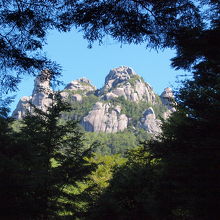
(167, 99)
(39, 96)
(22, 107)
(124, 98)
(105, 117)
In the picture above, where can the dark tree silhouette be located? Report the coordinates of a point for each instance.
(132, 21)
(23, 29)
(189, 147)
(24, 26)
(39, 162)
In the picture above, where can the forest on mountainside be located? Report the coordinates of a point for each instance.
(49, 171)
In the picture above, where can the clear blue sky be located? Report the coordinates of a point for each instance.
(71, 51)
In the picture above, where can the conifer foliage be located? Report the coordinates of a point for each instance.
(179, 178)
(39, 162)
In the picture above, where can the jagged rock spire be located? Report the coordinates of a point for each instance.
(167, 99)
(42, 82)
(39, 96)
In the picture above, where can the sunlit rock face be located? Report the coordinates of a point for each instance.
(120, 82)
(167, 98)
(82, 85)
(77, 89)
(123, 81)
(22, 107)
(118, 75)
(42, 90)
(149, 122)
(123, 87)
(42, 83)
(105, 118)
(40, 96)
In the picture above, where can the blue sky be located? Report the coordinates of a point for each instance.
(71, 51)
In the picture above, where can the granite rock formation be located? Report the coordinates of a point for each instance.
(76, 89)
(107, 114)
(149, 122)
(105, 117)
(83, 85)
(123, 81)
(22, 107)
(167, 99)
(40, 96)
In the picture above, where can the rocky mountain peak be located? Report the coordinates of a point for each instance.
(82, 84)
(42, 82)
(167, 93)
(95, 109)
(118, 75)
(42, 90)
(39, 96)
(123, 81)
(84, 80)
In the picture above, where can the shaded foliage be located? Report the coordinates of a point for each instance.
(133, 21)
(97, 182)
(132, 193)
(38, 162)
(23, 29)
(81, 108)
(112, 143)
(190, 142)
(25, 24)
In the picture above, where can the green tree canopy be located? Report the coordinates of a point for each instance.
(38, 162)
(132, 192)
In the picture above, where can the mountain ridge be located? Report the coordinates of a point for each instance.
(125, 101)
